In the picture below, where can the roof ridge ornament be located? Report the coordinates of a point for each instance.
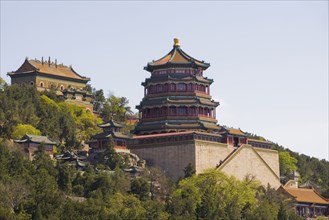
(176, 42)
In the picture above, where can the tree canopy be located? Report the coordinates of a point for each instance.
(25, 110)
(115, 108)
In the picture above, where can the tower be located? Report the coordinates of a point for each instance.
(178, 125)
(176, 96)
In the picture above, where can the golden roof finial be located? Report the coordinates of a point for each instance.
(176, 42)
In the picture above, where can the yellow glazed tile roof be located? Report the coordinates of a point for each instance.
(52, 69)
(235, 131)
(306, 195)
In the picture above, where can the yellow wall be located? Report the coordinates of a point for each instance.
(247, 162)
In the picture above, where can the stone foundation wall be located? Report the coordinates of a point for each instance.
(271, 157)
(172, 158)
(209, 154)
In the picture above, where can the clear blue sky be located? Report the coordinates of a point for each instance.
(269, 59)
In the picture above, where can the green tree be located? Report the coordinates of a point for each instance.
(47, 198)
(49, 112)
(5, 157)
(161, 186)
(213, 195)
(287, 163)
(65, 178)
(155, 210)
(14, 192)
(78, 124)
(99, 100)
(67, 130)
(189, 171)
(2, 84)
(43, 161)
(80, 210)
(121, 181)
(111, 158)
(22, 129)
(123, 207)
(18, 106)
(141, 188)
(115, 108)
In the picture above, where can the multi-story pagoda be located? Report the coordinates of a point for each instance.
(178, 125)
(176, 96)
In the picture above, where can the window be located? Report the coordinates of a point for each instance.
(62, 87)
(189, 87)
(159, 88)
(181, 87)
(42, 84)
(165, 87)
(52, 85)
(201, 88)
(182, 110)
(172, 111)
(150, 89)
(172, 87)
(191, 111)
(236, 141)
(32, 83)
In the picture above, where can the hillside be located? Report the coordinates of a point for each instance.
(40, 189)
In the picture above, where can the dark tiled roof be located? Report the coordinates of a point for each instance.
(102, 135)
(177, 101)
(109, 134)
(111, 123)
(180, 125)
(35, 139)
(171, 78)
(174, 134)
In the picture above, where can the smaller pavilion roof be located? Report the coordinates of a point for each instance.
(176, 57)
(111, 123)
(35, 139)
(306, 195)
(120, 135)
(232, 131)
(109, 134)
